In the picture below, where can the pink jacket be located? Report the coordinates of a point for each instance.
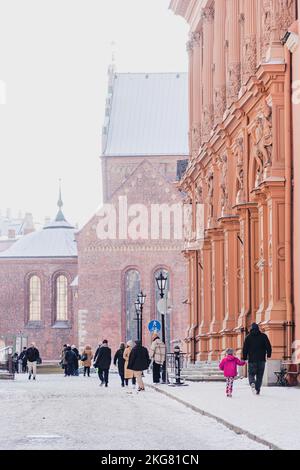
(229, 365)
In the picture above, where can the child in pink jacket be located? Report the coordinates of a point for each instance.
(229, 366)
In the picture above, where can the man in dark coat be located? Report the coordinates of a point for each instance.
(23, 359)
(76, 360)
(256, 347)
(102, 362)
(138, 362)
(71, 359)
(32, 355)
(119, 359)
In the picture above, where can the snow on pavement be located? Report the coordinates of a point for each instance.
(273, 416)
(75, 413)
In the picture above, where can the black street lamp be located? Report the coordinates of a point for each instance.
(138, 313)
(161, 282)
(141, 300)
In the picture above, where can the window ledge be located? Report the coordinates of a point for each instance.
(34, 325)
(61, 325)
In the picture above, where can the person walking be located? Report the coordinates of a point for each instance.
(256, 347)
(102, 362)
(15, 360)
(32, 355)
(157, 356)
(63, 361)
(86, 359)
(120, 361)
(128, 374)
(71, 360)
(23, 359)
(76, 360)
(229, 366)
(139, 361)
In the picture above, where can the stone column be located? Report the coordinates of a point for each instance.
(234, 61)
(231, 267)
(206, 304)
(276, 311)
(208, 39)
(249, 46)
(189, 48)
(219, 61)
(282, 14)
(197, 92)
(215, 328)
(263, 259)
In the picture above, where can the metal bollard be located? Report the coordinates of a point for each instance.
(177, 358)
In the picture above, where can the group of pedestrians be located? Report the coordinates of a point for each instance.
(26, 361)
(70, 358)
(132, 359)
(256, 349)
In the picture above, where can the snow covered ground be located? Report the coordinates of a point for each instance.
(75, 413)
(273, 416)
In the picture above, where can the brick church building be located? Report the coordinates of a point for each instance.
(61, 285)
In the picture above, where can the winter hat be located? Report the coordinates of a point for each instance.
(254, 326)
(229, 352)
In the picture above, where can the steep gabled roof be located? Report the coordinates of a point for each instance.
(146, 114)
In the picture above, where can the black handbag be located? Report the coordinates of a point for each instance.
(84, 357)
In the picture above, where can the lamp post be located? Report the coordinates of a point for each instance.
(161, 282)
(138, 313)
(141, 300)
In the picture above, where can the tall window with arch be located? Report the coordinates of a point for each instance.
(132, 289)
(162, 305)
(34, 298)
(61, 295)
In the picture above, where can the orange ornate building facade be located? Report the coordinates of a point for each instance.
(241, 171)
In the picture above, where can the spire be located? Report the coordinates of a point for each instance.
(60, 216)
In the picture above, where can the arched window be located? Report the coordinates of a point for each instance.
(161, 305)
(132, 289)
(34, 298)
(61, 285)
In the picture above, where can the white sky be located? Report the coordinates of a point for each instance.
(54, 56)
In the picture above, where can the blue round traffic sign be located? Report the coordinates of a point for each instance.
(154, 326)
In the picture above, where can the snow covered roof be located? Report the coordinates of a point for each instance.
(55, 240)
(146, 114)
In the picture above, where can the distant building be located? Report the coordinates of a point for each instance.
(36, 298)
(56, 290)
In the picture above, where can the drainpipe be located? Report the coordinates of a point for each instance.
(288, 204)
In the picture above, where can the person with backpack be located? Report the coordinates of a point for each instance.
(33, 357)
(102, 362)
(120, 361)
(138, 362)
(86, 360)
(256, 348)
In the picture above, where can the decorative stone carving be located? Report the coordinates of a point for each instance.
(249, 58)
(196, 140)
(208, 119)
(262, 143)
(266, 27)
(220, 104)
(210, 196)
(286, 15)
(238, 150)
(224, 185)
(234, 83)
